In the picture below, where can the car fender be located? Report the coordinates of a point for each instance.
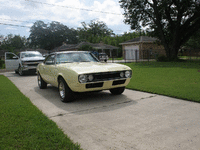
(70, 77)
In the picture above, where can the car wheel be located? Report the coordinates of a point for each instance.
(41, 83)
(66, 94)
(20, 71)
(117, 91)
(16, 71)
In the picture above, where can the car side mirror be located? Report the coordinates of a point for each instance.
(14, 57)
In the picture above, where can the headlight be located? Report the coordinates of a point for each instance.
(127, 74)
(85, 78)
(122, 74)
(82, 78)
(90, 77)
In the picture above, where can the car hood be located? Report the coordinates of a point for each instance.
(32, 58)
(94, 67)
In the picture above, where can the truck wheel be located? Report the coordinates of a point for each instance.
(20, 71)
(117, 91)
(66, 94)
(16, 71)
(41, 83)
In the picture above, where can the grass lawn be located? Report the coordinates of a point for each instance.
(189, 57)
(23, 126)
(119, 58)
(175, 79)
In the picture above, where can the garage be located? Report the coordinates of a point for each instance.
(131, 52)
(142, 47)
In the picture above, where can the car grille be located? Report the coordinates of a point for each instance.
(106, 76)
(100, 84)
(118, 82)
(94, 85)
(33, 63)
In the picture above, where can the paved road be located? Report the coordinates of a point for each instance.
(132, 121)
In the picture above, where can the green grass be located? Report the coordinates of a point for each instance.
(175, 79)
(23, 126)
(119, 58)
(190, 57)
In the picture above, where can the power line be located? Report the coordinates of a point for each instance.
(14, 25)
(74, 7)
(26, 26)
(16, 20)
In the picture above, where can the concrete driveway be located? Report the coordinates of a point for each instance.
(131, 121)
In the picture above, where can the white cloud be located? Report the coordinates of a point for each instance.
(112, 17)
(11, 28)
(5, 18)
(70, 13)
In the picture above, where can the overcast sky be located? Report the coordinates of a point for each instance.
(68, 12)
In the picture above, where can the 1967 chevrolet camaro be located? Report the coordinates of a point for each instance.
(80, 71)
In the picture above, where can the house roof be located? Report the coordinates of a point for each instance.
(144, 39)
(104, 46)
(66, 47)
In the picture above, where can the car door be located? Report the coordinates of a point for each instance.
(11, 61)
(48, 69)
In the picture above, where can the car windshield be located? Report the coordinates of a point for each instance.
(31, 55)
(75, 57)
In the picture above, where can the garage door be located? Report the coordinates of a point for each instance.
(130, 52)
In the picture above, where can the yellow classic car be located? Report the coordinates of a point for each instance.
(81, 71)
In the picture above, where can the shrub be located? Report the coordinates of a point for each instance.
(2, 64)
(162, 58)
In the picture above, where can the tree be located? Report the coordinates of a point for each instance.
(171, 21)
(86, 48)
(94, 29)
(12, 42)
(49, 36)
(194, 41)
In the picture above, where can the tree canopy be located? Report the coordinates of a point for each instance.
(171, 21)
(94, 29)
(49, 36)
(194, 41)
(12, 42)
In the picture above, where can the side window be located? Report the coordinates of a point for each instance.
(50, 60)
(11, 56)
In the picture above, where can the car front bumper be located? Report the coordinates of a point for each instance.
(101, 85)
(29, 68)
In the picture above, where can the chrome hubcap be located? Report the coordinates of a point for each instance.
(39, 80)
(62, 90)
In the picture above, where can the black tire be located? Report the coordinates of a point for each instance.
(66, 94)
(117, 91)
(16, 71)
(20, 71)
(41, 83)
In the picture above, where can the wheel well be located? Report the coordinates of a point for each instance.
(59, 77)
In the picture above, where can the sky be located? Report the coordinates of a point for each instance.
(17, 16)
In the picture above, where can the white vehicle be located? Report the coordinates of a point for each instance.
(26, 61)
(103, 57)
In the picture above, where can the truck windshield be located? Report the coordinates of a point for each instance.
(31, 55)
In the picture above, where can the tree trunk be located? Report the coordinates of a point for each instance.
(172, 54)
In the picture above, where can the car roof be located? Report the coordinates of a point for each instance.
(70, 52)
(29, 52)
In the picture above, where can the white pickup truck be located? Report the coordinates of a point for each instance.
(26, 61)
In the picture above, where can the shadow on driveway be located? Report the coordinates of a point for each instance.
(84, 103)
